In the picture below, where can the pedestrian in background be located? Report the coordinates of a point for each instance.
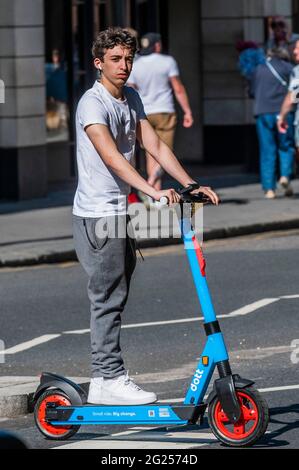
(280, 34)
(291, 100)
(269, 87)
(156, 77)
(57, 94)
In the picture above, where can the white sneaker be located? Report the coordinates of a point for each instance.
(285, 183)
(123, 391)
(270, 194)
(95, 389)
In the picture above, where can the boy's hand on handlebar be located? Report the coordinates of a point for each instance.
(172, 196)
(214, 198)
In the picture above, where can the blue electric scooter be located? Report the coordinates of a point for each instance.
(237, 414)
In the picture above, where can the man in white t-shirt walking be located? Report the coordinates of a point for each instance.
(156, 77)
(108, 119)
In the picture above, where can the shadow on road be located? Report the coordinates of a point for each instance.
(271, 439)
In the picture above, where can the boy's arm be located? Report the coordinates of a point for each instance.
(104, 144)
(166, 158)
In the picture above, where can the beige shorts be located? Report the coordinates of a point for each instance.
(164, 125)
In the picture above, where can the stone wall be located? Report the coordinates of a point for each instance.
(184, 44)
(22, 116)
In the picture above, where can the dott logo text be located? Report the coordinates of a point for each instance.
(196, 379)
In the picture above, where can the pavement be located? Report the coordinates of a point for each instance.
(39, 231)
(16, 394)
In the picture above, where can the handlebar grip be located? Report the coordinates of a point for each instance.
(164, 201)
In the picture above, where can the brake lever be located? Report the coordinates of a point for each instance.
(191, 187)
(200, 198)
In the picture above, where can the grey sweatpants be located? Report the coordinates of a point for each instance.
(109, 262)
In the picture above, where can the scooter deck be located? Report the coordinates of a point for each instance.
(156, 413)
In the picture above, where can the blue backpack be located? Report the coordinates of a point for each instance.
(249, 59)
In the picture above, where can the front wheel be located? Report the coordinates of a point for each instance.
(46, 428)
(252, 424)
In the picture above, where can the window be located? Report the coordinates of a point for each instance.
(57, 110)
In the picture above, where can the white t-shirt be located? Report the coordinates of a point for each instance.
(150, 74)
(294, 79)
(294, 87)
(100, 192)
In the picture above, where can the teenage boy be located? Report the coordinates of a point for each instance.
(109, 118)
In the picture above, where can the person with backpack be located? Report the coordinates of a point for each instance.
(269, 86)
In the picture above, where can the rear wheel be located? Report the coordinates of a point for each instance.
(252, 424)
(46, 428)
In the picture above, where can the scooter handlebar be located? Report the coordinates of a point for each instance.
(187, 198)
(200, 198)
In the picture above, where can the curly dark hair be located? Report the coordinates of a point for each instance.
(110, 38)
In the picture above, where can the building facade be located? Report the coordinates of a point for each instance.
(46, 64)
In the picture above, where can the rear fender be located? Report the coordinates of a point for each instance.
(48, 380)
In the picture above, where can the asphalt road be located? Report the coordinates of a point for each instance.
(162, 357)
